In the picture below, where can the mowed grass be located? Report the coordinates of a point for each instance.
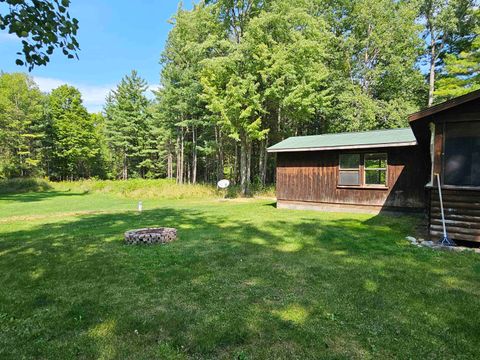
(243, 281)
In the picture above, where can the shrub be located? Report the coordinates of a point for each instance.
(22, 185)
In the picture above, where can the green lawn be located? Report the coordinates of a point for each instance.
(244, 280)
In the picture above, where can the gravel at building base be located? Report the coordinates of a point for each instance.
(438, 246)
(150, 236)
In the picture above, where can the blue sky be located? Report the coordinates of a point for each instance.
(115, 37)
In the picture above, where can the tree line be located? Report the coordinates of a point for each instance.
(54, 135)
(240, 75)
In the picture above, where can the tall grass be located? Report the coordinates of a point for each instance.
(10, 186)
(140, 188)
(133, 189)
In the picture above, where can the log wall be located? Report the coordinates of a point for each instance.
(462, 214)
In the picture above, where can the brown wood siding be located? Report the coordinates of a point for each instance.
(438, 148)
(313, 177)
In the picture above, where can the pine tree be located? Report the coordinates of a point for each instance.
(462, 71)
(446, 25)
(129, 127)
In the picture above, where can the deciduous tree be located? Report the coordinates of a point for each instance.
(43, 25)
(445, 23)
(71, 135)
(22, 125)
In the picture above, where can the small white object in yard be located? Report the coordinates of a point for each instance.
(223, 184)
(412, 240)
(140, 206)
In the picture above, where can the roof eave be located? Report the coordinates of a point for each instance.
(444, 106)
(345, 147)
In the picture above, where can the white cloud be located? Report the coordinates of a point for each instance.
(93, 95)
(48, 84)
(153, 87)
(150, 90)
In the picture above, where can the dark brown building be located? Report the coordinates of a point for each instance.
(392, 169)
(365, 171)
(450, 132)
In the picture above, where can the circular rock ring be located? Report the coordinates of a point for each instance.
(149, 236)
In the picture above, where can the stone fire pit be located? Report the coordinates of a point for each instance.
(150, 236)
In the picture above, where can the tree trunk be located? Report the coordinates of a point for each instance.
(249, 167)
(262, 166)
(366, 59)
(243, 167)
(182, 156)
(169, 163)
(279, 120)
(245, 162)
(179, 159)
(205, 173)
(194, 155)
(235, 165)
(125, 167)
(431, 76)
(261, 159)
(220, 156)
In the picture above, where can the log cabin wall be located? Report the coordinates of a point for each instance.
(461, 203)
(462, 214)
(313, 177)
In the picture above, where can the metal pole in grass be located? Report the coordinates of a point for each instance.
(445, 240)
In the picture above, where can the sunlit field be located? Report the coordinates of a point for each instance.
(243, 281)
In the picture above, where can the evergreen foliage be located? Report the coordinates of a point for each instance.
(462, 71)
(240, 75)
(448, 26)
(130, 129)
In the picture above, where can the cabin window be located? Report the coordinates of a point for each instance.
(349, 169)
(462, 154)
(376, 169)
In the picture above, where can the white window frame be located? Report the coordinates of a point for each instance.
(365, 169)
(357, 170)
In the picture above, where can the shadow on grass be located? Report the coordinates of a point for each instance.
(271, 204)
(38, 196)
(282, 288)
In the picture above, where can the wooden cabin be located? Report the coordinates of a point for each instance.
(363, 171)
(392, 169)
(450, 132)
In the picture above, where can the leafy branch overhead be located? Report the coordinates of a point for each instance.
(43, 26)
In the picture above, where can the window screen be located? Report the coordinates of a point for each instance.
(462, 154)
(349, 169)
(376, 169)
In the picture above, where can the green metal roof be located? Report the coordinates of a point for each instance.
(350, 140)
